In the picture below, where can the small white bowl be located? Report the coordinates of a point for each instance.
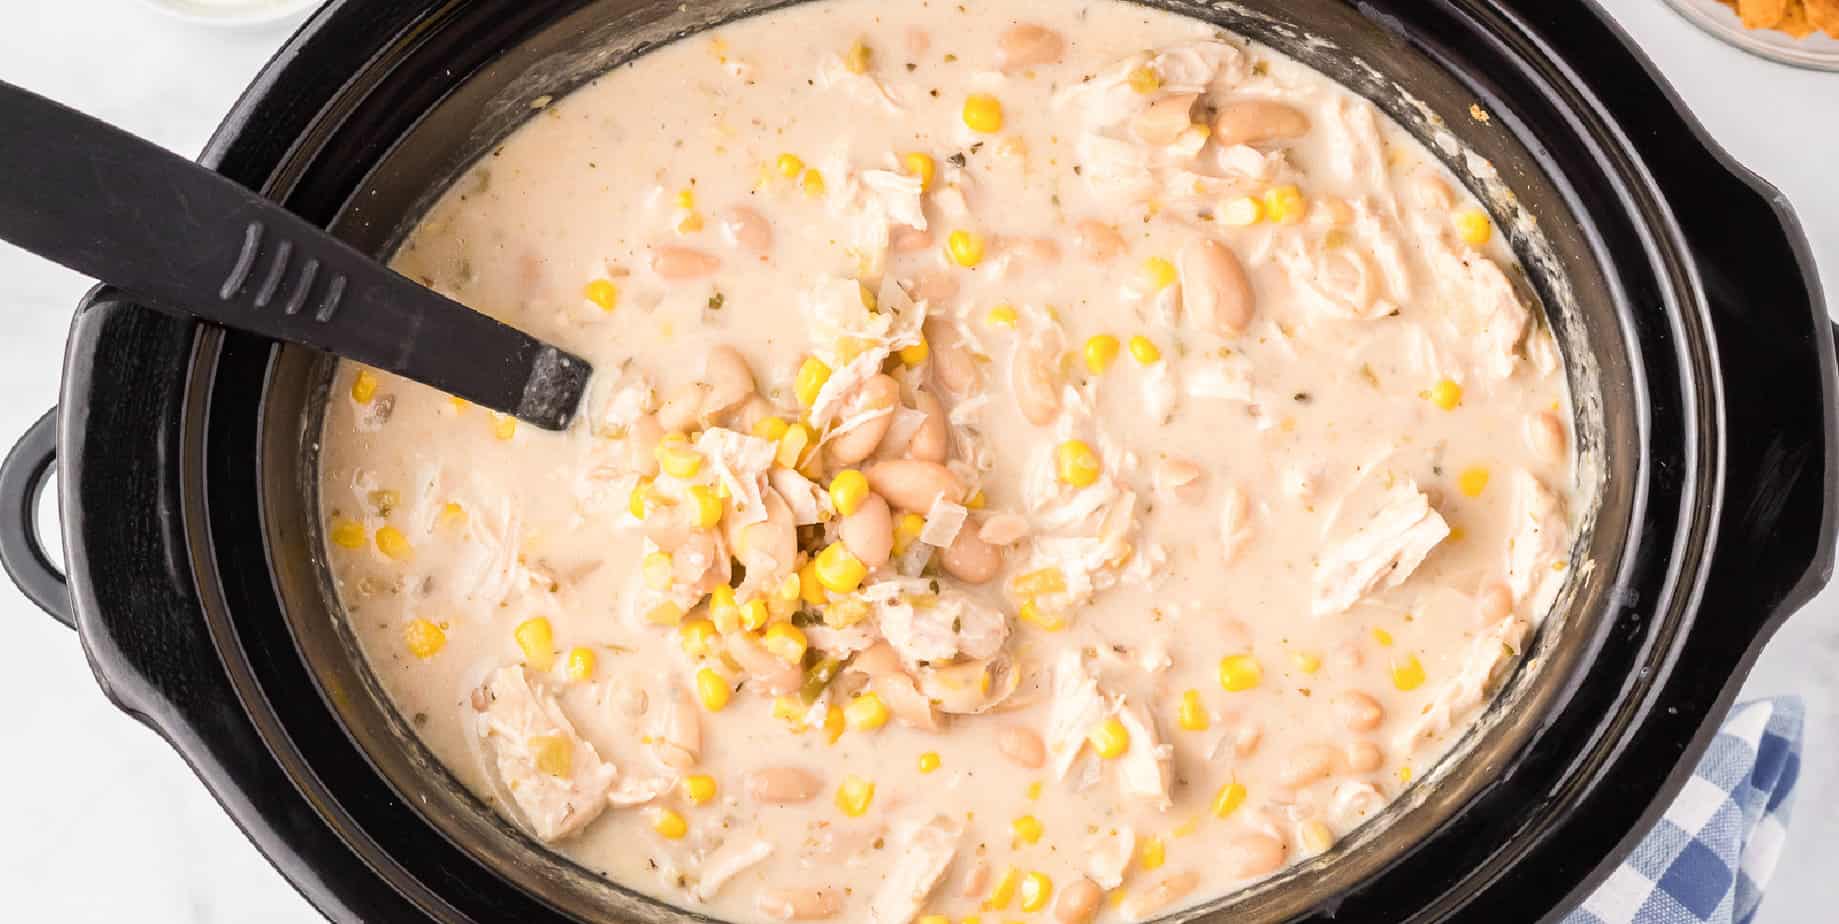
(233, 12)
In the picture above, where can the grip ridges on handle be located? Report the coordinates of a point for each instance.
(276, 270)
(298, 300)
(245, 261)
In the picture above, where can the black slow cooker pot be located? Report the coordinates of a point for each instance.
(1679, 286)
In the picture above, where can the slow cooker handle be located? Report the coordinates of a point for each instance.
(22, 551)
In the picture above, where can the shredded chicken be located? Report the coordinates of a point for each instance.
(923, 850)
(532, 740)
(1381, 552)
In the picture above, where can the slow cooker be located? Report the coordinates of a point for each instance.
(1679, 286)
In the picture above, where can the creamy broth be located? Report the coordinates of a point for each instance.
(1228, 469)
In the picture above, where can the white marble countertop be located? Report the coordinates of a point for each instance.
(106, 822)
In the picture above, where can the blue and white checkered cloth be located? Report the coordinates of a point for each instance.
(1712, 853)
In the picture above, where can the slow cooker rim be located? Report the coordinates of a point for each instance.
(231, 143)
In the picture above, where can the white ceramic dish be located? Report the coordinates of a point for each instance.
(1818, 50)
(233, 13)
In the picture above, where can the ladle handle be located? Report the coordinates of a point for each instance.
(185, 240)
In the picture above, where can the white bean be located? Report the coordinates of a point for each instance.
(953, 367)
(1023, 746)
(1096, 241)
(1003, 529)
(1363, 756)
(730, 381)
(1026, 45)
(746, 229)
(1164, 120)
(788, 904)
(1169, 890)
(903, 239)
(1306, 764)
(969, 558)
(769, 545)
(642, 440)
(912, 485)
(782, 785)
(1036, 386)
(932, 440)
(859, 442)
(1545, 434)
(869, 532)
(1358, 711)
(1493, 603)
(1252, 856)
(682, 408)
(1257, 121)
(681, 263)
(1078, 903)
(1214, 288)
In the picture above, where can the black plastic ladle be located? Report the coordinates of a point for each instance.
(182, 239)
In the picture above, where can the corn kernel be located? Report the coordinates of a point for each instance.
(1026, 829)
(1076, 463)
(770, 428)
(1159, 273)
(348, 534)
(977, 500)
(706, 508)
(754, 614)
(1240, 672)
(393, 544)
(1284, 204)
(922, 166)
(1100, 351)
(669, 824)
(983, 113)
(789, 165)
(1307, 662)
(857, 59)
(932, 919)
(929, 762)
(785, 641)
(602, 292)
(907, 528)
(790, 710)
(425, 639)
(833, 724)
(1032, 614)
(1446, 394)
(798, 437)
(504, 426)
(667, 613)
(838, 570)
(1144, 351)
(964, 247)
(1152, 854)
(363, 386)
(812, 374)
(697, 638)
(641, 492)
(656, 569)
(1144, 80)
(1408, 675)
(1383, 637)
(1004, 891)
(723, 610)
(1048, 580)
(690, 224)
(580, 663)
(854, 796)
(553, 755)
(866, 713)
(451, 517)
(1003, 314)
(789, 589)
(1037, 891)
(1317, 837)
(1404, 774)
(1192, 713)
(1228, 799)
(1473, 227)
(1109, 738)
(537, 641)
(676, 458)
(812, 183)
(1033, 791)
(1241, 212)
(1472, 481)
(712, 689)
(848, 490)
(698, 788)
(915, 354)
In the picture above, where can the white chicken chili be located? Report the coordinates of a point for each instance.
(1046, 462)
